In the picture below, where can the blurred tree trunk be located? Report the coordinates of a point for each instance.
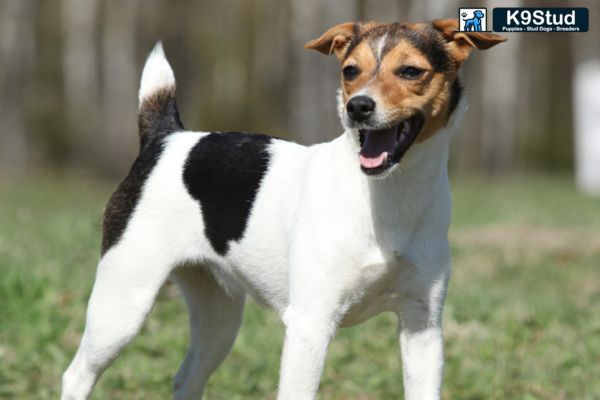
(587, 45)
(425, 10)
(17, 43)
(118, 135)
(381, 10)
(315, 77)
(500, 82)
(80, 78)
(544, 110)
(269, 65)
(586, 125)
(486, 141)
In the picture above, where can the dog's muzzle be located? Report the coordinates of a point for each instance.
(382, 148)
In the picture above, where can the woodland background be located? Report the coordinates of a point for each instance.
(69, 74)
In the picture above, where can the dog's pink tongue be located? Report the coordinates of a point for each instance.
(376, 147)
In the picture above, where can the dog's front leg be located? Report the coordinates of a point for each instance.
(310, 323)
(421, 342)
(307, 336)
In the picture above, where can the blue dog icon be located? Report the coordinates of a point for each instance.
(474, 24)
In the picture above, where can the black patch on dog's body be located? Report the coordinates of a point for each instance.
(123, 201)
(158, 117)
(223, 172)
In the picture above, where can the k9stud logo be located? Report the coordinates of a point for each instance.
(472, 19)
(519, 19)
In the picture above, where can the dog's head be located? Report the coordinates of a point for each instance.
(478, 14)
(399, 81)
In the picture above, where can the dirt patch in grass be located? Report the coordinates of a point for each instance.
(536, 238)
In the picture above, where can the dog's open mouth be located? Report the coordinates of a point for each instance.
(380, 149)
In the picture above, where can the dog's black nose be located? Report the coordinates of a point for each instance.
(360, 108)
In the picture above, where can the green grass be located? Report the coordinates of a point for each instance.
(522, 319)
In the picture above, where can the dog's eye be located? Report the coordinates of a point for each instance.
(350, 72)
(409, 72)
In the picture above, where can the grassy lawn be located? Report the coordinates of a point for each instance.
(522, 318)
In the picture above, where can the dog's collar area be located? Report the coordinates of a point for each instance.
(380, 149)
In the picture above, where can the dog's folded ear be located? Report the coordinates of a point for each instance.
(460, 43)
(334, 40)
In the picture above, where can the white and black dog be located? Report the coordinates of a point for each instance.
(327, 235)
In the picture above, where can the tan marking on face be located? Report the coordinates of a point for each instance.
(427, 94)
(363, 58)
(399, 98)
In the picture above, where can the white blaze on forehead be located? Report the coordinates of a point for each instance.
(379, 46)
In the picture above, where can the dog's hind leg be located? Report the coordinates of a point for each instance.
(128, 279)
(215, 317)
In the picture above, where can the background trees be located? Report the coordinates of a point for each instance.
(69, 73)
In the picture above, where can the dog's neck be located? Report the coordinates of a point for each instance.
(406, 192)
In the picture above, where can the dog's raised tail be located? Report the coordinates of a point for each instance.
(158, 112)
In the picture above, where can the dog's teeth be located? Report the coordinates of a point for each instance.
(405, 127)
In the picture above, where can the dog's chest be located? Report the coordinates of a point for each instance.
(379, 284)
